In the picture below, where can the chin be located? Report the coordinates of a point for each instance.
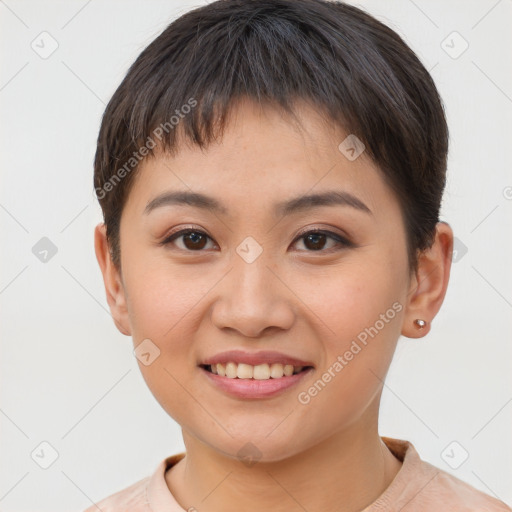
(250, 449)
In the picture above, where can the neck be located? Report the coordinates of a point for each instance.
(350, 469)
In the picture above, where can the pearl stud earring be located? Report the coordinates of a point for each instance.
(420, 324)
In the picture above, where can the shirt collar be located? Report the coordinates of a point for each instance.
(412, 477)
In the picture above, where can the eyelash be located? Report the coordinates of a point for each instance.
(342, 242)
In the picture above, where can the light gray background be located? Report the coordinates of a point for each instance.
(69, 378)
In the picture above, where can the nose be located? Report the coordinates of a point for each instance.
(252, 299)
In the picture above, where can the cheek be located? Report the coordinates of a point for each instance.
(161, 299)
(360, 318)
(347, 299)
(165, 309)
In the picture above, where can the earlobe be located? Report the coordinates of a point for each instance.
(114, 288)
(429, 285)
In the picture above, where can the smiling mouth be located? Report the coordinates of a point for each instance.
(232, 370)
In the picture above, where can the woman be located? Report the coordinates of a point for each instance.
(270, 174)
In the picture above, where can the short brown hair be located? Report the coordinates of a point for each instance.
(350, 66)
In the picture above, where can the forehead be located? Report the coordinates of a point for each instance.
(262, 157)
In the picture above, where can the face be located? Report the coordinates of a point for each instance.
(324, 283)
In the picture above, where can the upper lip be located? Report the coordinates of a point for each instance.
(255, 358)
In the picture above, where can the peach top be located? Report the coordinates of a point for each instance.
(417, 487)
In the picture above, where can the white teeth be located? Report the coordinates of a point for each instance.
(276, 370)
(244, 371)
(261, 372)
(231, 370)
(258, 372)
(288, 370)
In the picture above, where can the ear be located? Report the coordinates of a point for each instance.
(114, 287)
(429, 284)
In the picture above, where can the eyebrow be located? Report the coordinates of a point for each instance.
(288, 207)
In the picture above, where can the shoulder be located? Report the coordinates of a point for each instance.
(146, 495)
(132, 498)
(423, 487)
(458, 495)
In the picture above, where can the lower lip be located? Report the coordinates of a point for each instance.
(253, 388)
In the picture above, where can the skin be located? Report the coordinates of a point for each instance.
(311, 304)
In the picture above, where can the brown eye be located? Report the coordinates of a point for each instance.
(316, 241)
(193, 239)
